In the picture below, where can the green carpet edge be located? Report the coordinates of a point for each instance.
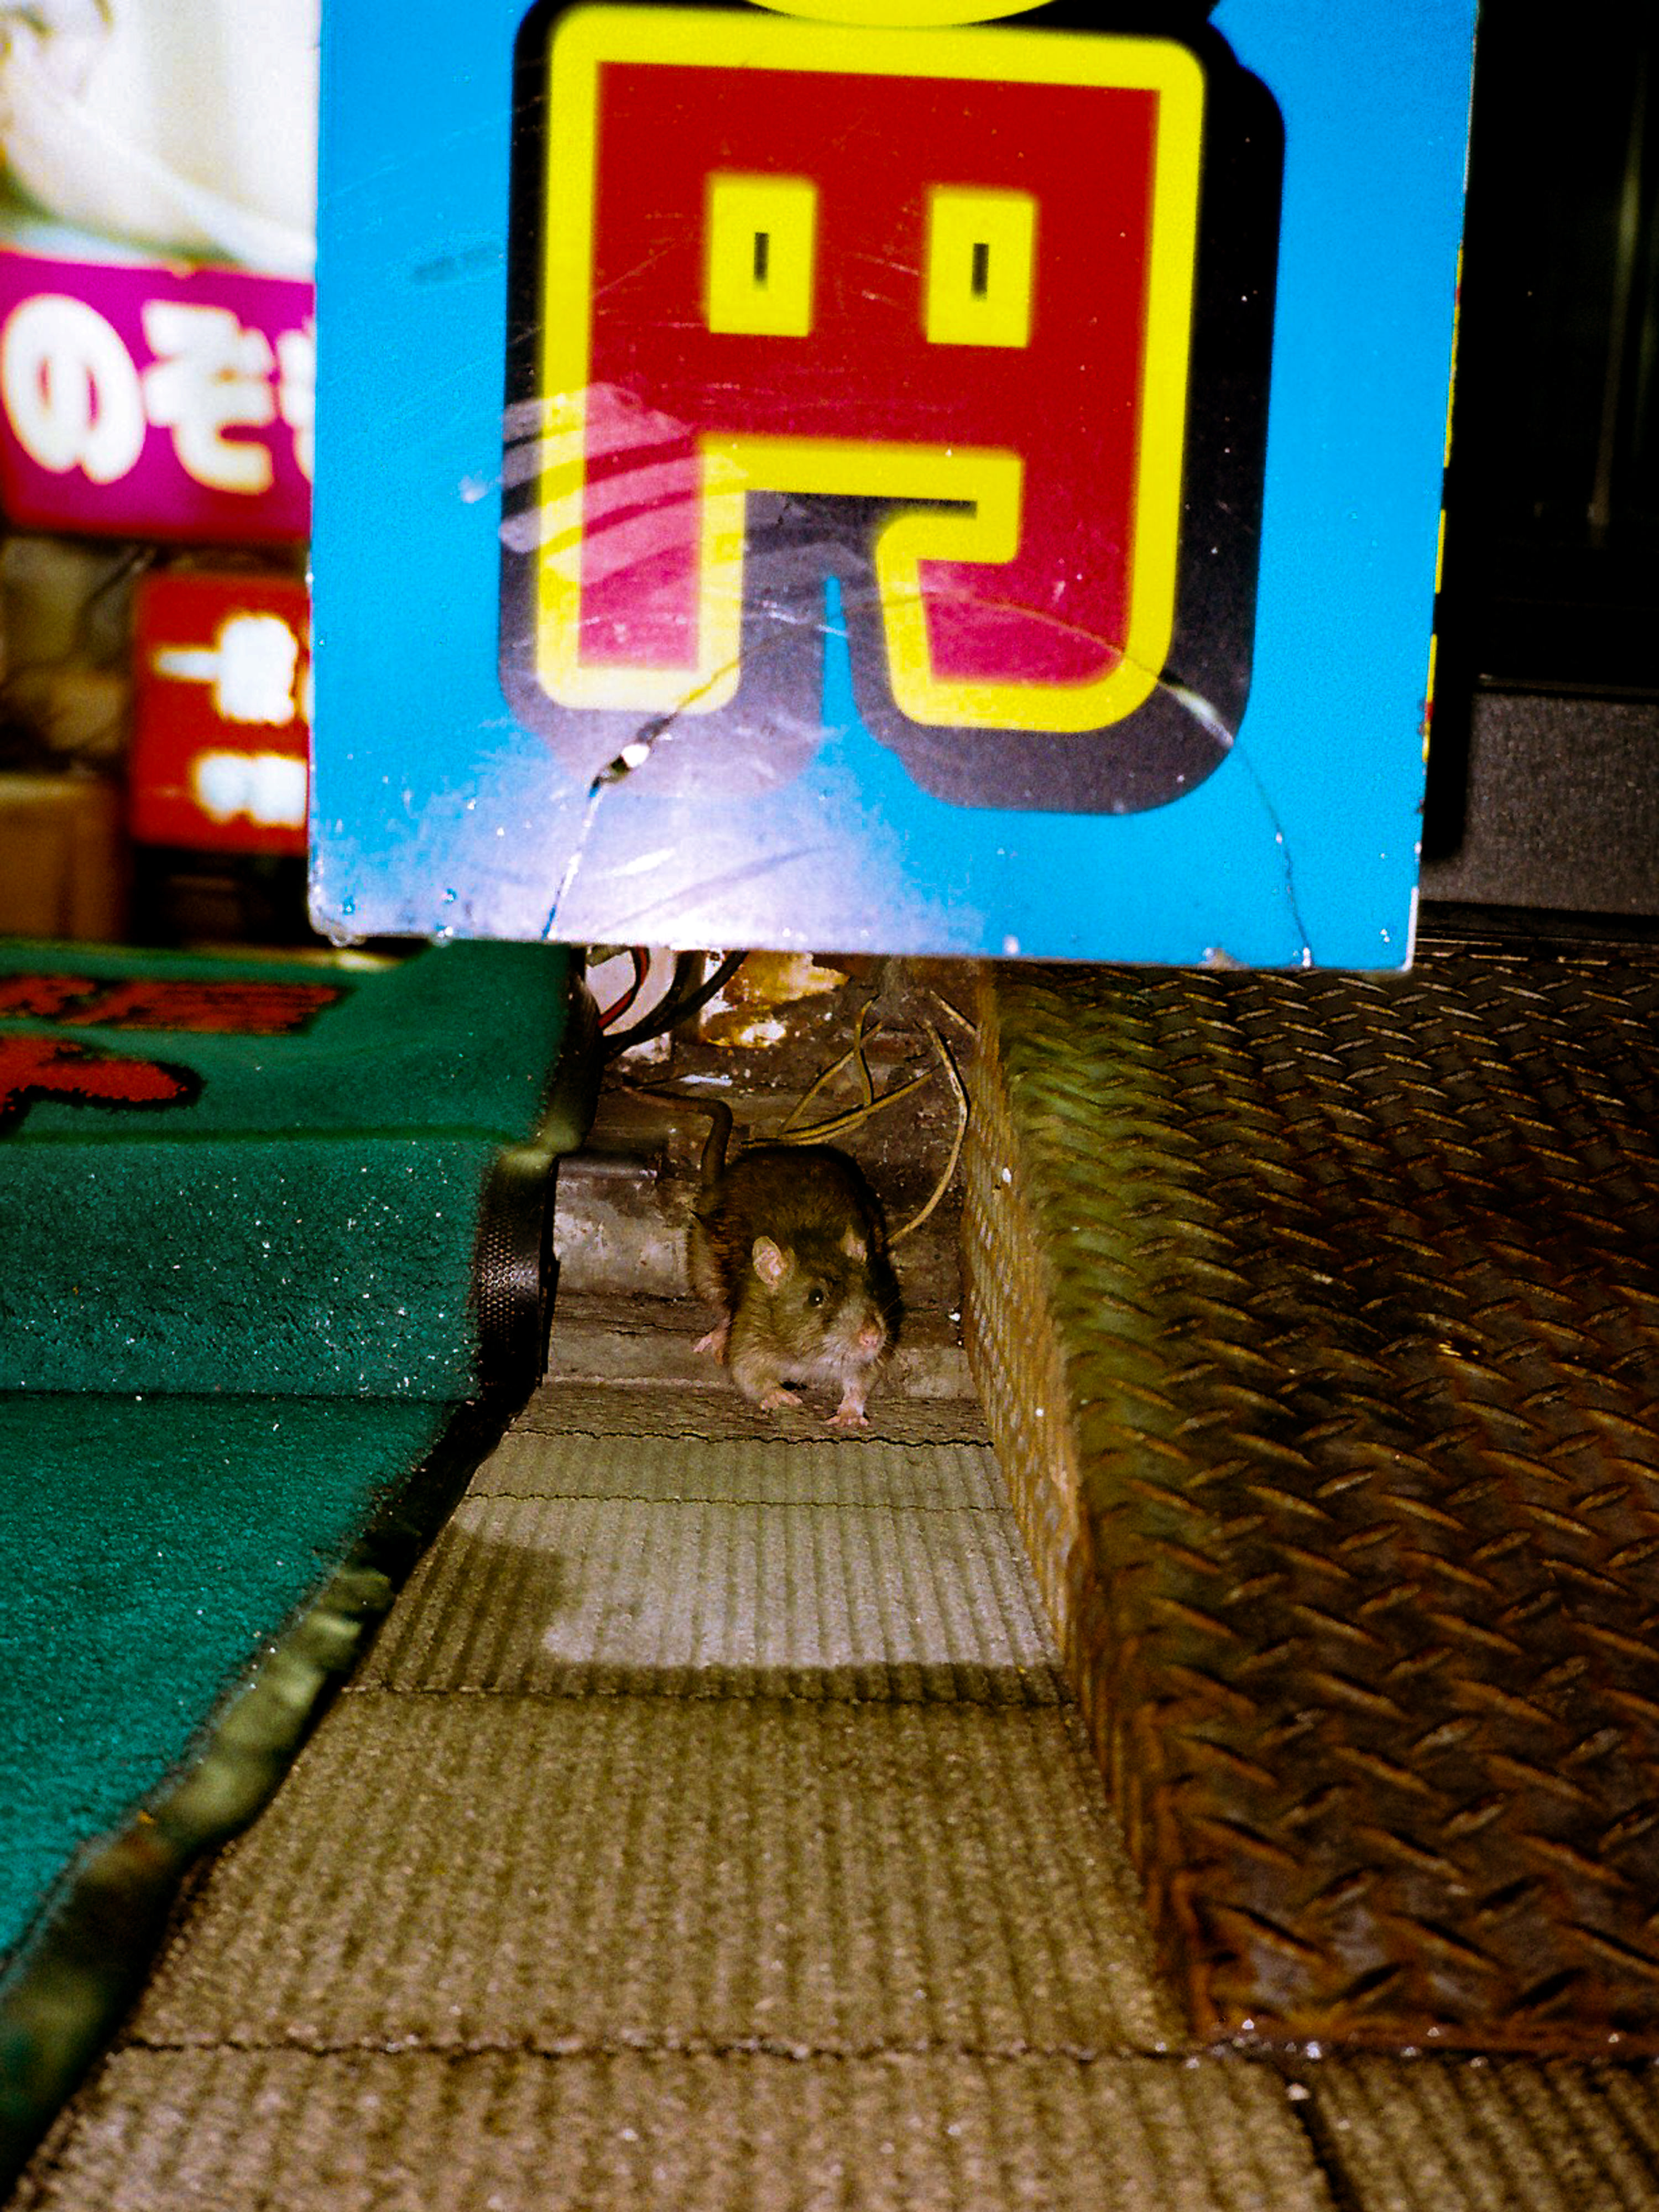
(74, 1975)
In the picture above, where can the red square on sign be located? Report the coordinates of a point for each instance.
(915, 316)
(222, 713)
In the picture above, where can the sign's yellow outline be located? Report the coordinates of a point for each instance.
(906, 15)
(732, 466)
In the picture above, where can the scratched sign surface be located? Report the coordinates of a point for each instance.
(951, 282)
(961, 488)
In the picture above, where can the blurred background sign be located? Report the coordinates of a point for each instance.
(157, 380)
(137, 401)
(221, 726)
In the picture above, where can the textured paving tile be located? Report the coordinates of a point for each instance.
(584, 1596)
(533, 1462)
(857, 1930)
(561, 1874)
(1487, 2137)
(654, 1409)
(235, 2132)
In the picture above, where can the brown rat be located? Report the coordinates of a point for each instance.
(790, 1244)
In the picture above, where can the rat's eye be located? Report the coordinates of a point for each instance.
(815, 1296)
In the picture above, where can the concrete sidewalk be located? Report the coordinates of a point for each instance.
(709, 1828)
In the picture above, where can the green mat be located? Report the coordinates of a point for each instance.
(267, 1177)
(148, 1548)
(272, 1237)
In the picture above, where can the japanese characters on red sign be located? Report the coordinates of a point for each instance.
(143, 401)
(221, 712)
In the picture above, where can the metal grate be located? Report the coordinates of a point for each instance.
(1317, 1323)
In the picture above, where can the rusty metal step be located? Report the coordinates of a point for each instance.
(1316, 1321)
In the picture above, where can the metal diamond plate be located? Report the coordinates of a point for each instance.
(1317, 1321)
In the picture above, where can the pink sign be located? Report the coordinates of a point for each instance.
(143, 401)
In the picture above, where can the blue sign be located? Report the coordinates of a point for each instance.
(927, 486)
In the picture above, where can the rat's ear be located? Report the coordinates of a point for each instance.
(853, 1244)
(771, 1261)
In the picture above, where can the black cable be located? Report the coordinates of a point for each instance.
(677, 1007)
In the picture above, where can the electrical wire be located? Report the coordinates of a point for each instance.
(953, 1076)
(836, 1124)
(640, 963)
(677, 1007)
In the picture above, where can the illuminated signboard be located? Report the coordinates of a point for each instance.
(221, 714)
(145, 401)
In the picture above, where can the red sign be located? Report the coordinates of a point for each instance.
(951, 274)
(221, 713)
(148, 402)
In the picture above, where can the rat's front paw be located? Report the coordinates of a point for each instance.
(849, 1416)
(714, 1342)
(774, 1399)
